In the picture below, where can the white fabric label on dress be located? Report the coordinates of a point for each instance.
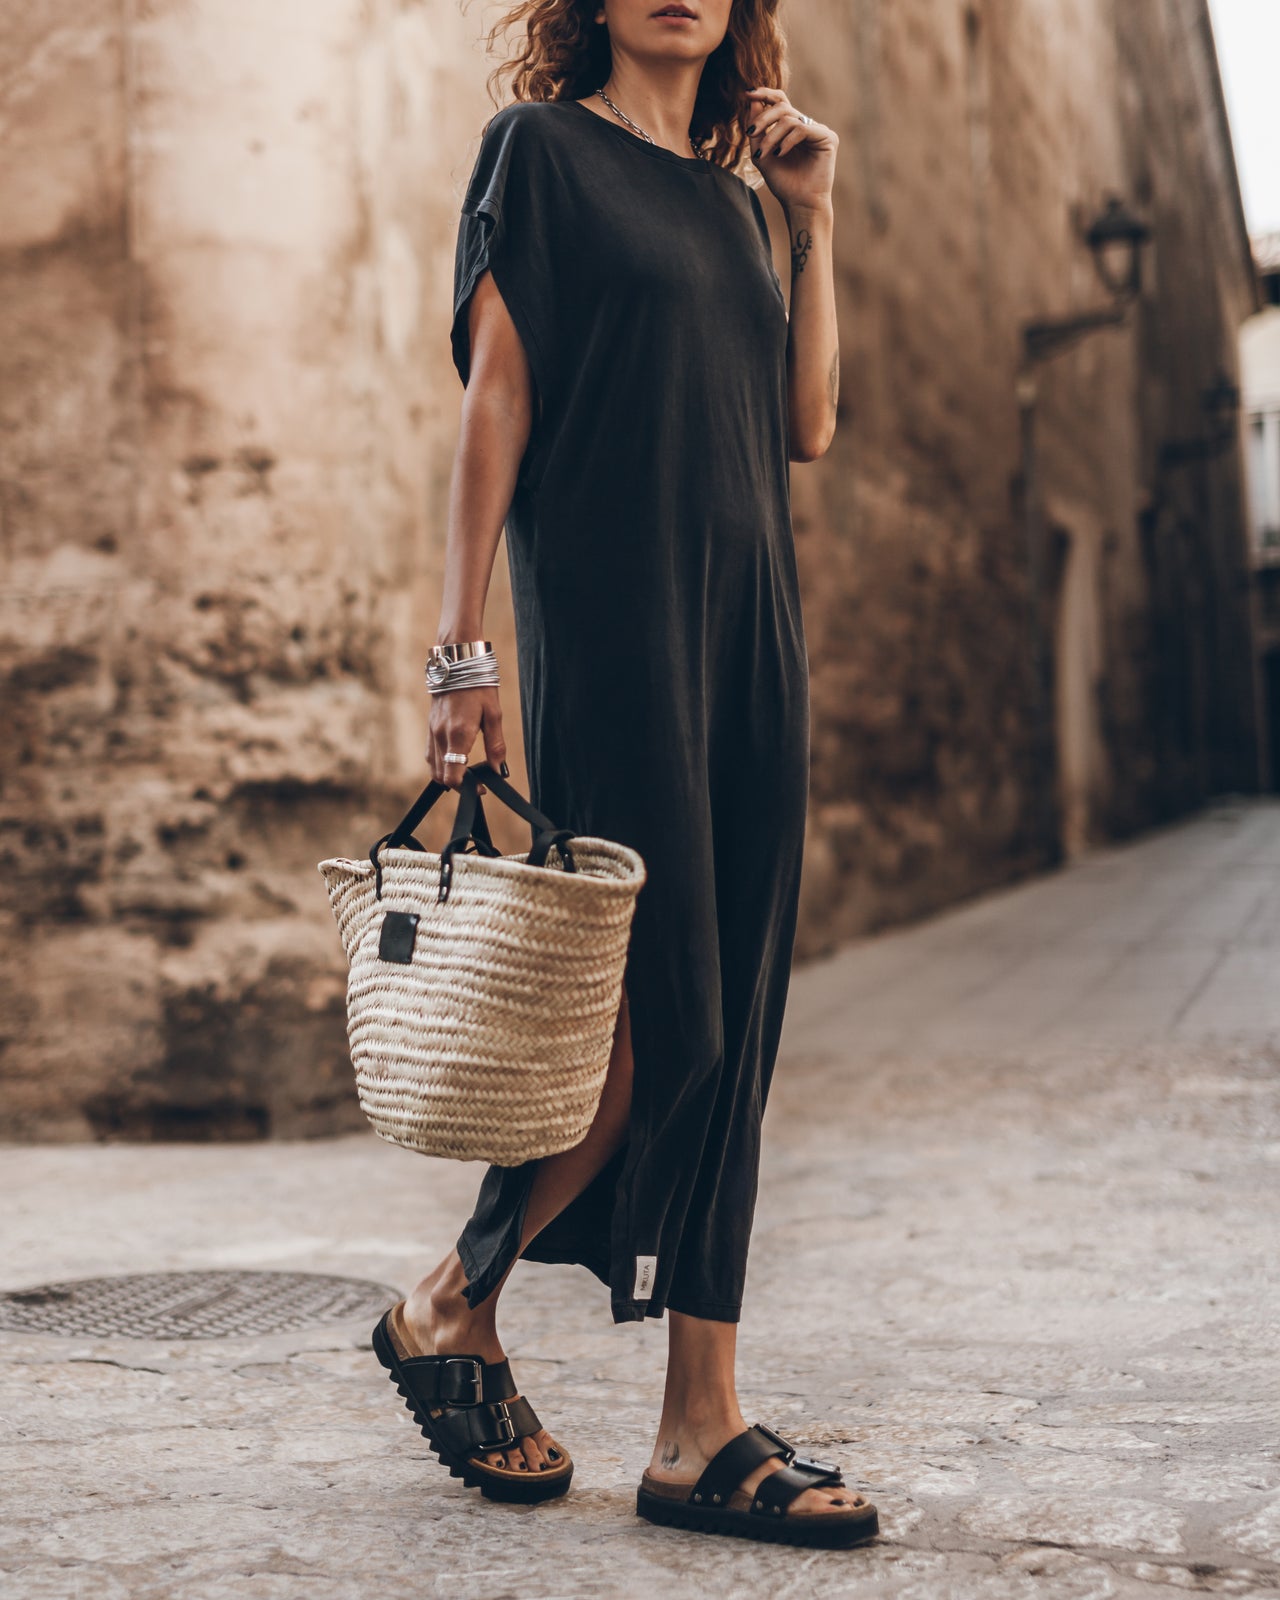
(646, 1271)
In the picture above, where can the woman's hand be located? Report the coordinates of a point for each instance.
(457, 716)
(797, 160)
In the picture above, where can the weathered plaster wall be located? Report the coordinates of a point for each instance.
(227, 412)
(976, 140)
(227, 416)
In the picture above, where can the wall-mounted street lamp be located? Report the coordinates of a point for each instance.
(1221, 403)
(1116, 238)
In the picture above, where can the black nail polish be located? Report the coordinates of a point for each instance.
(752, 128)
(755, 154)
(505, 770)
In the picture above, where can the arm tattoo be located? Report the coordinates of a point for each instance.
(833, 379)
(800, 251)
(670, 1452)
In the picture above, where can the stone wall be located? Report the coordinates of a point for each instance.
(977, 140)
(227, 417)
(227, 414)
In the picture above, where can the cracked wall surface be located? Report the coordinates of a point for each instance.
(227, 415)
(227, 411)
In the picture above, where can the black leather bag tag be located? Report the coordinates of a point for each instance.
(399, 930)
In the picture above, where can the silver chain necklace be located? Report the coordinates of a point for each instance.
(637, 127)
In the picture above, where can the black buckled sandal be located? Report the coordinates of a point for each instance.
(716, 1504)
(467, 1407)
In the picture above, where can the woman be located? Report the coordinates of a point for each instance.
(634, 395)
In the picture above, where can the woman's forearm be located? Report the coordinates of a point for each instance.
(813, 349)
(491, 441)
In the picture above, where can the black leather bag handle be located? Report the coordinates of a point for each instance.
(470, 824)
(401, 836)
(464, 825)
(513, 799)
(545, 832)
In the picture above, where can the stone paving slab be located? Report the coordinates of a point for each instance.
(1014, 1264)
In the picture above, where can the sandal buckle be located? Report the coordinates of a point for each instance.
(477, 1383)
(503, 1419)
(817, 1466)
(788, 1449)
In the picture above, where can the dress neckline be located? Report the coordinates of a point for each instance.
(659, 150)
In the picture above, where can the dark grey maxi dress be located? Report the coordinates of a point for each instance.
(663, 672)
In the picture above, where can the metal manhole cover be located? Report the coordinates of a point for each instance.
(192, 1305)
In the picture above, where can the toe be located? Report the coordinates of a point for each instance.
(838, 1498)
(549, 1452)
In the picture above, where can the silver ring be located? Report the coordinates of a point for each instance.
(806, 120)
(452, 755)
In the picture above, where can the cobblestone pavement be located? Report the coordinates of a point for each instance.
(1014, 1264)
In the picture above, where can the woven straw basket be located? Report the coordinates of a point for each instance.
(483, 988)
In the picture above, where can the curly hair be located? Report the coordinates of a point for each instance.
(566, 55)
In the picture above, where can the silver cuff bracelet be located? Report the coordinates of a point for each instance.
(468, 665)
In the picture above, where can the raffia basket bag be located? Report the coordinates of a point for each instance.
(483, 988)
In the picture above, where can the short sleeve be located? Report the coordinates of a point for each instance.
(508, 226)
(763, 225)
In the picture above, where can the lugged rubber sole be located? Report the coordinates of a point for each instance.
(821, 1531)
(515, 1492)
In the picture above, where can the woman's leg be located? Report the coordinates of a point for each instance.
(437, 1313)
(700, 1410)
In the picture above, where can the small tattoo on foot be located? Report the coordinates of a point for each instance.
(670, 1453)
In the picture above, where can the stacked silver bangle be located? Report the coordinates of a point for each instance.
(469, 665)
